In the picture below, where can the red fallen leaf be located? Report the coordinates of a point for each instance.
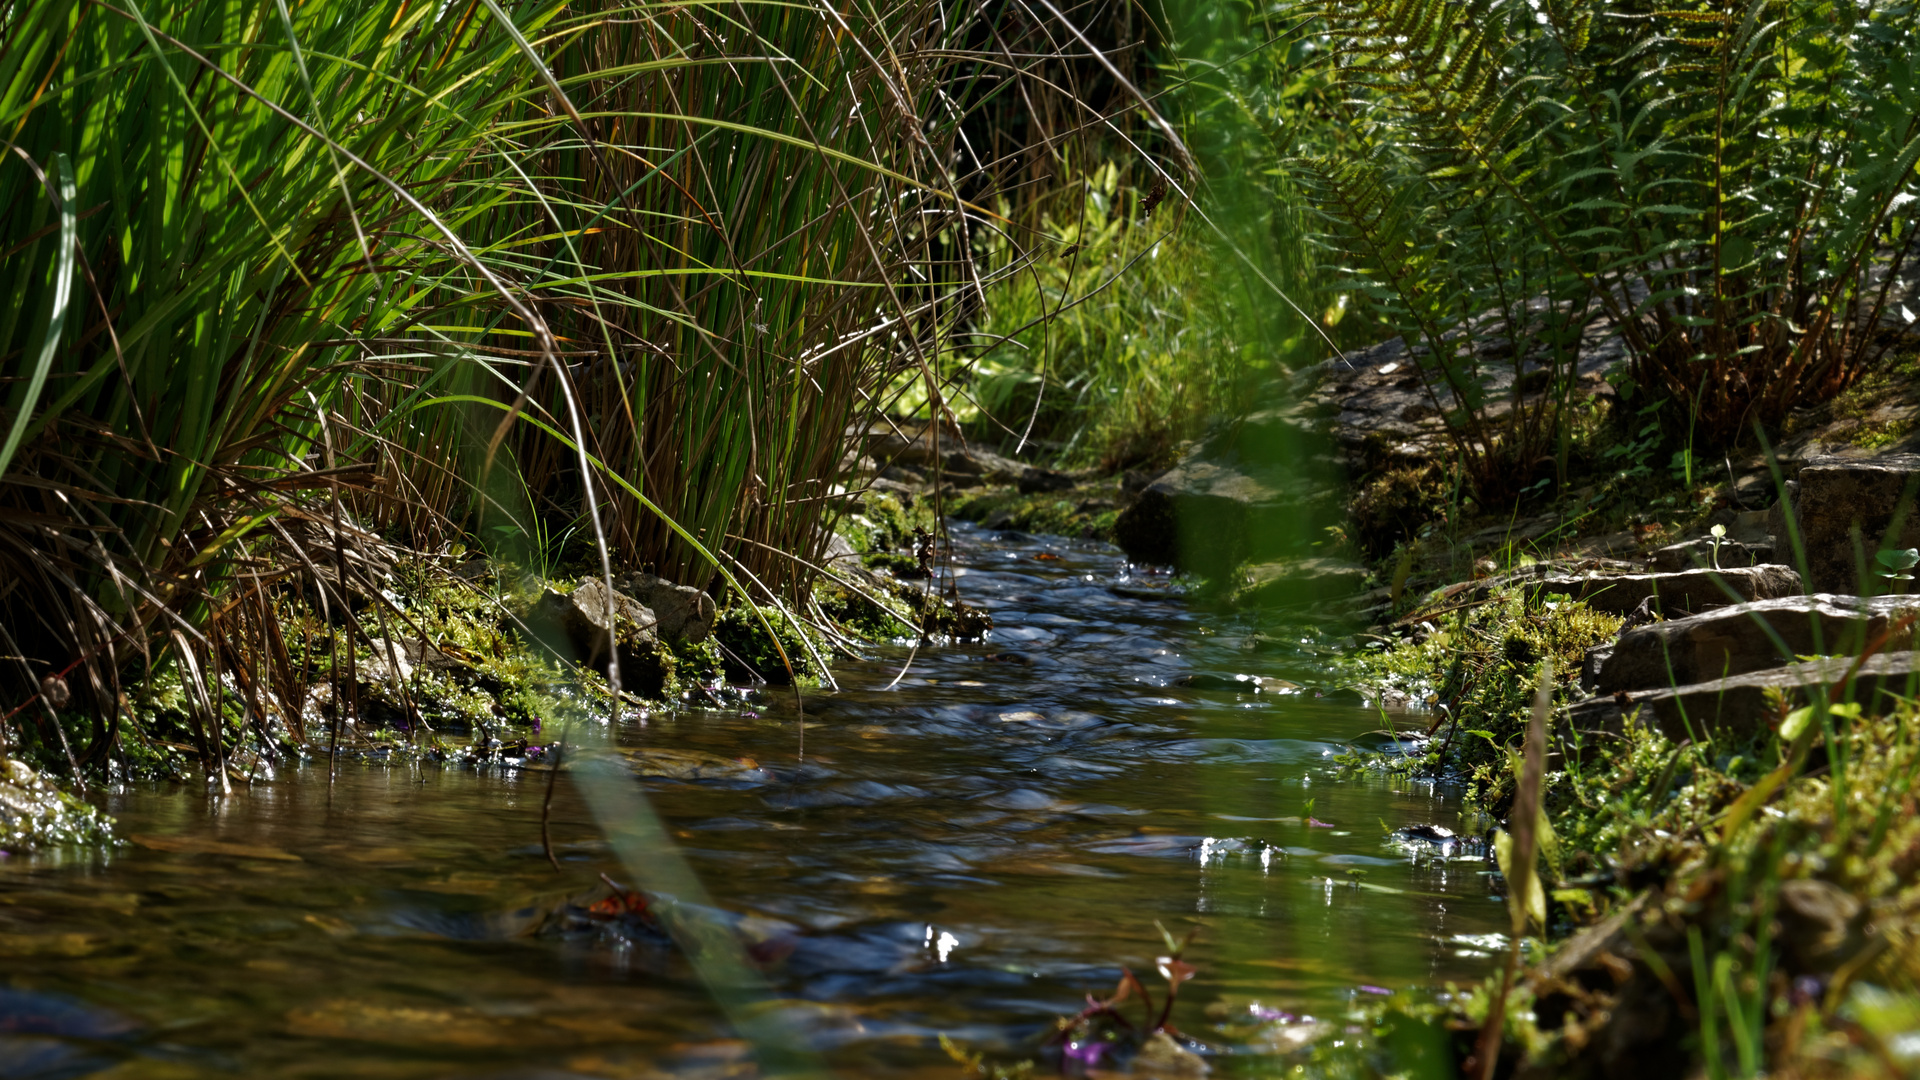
(622, 903)
(1047, 556)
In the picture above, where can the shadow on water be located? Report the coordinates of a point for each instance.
(969, 852)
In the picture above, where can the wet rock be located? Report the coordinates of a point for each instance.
(1682, 593)
(34, 812)
(1845, 509)
(1744, 638)
(1205, 516)
(682, 613)
(577, 624)
(1299, 581)
(1161, 1056)
(1739, 705)
(1700, 553)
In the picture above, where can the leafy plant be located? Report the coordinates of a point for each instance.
(1720, 185)
(1894, 565)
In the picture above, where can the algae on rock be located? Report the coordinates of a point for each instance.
(35, 813)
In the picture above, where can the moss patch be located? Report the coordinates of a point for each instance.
(1088, 512)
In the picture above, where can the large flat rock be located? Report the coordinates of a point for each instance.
(1206, 515)
(1738, 706)
(1847, 511)
(1744, 638)
(1686, 592)
(1703, 553)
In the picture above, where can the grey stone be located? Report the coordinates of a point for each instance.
(1684, 593)
(1701, 553)
(682, 613)
(914, 445)
(1847, 510)
(1742, 638)
(1207, 515)
(583, 621)
(1739, 705)
(413, 654)
(1590, 667)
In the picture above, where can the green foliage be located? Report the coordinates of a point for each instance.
(292, 279)
(1109, 336)
(751, 653)
(1482, 666)
(1722, 183)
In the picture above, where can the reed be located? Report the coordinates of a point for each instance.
(297, 281)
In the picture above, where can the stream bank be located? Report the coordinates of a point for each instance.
(1727, 782)
(967, 849)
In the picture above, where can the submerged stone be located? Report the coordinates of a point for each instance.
(1299, 581)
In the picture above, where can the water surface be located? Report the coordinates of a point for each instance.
(968, 852)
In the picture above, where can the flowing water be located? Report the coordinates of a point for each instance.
(969, 850)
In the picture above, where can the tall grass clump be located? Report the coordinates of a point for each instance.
(291, 283)
(736, 243)
(1724, 185)
(202, 232)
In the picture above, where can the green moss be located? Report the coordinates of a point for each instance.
(750, 653)
(885, 521)
(1482, 665)
(873, 614)
(1087, 512)
(34, 813)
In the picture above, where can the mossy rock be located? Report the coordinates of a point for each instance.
(35, 813)
(750, 653)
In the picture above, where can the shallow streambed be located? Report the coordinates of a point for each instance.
(968, 852)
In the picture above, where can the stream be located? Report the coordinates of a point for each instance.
(970, 850)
